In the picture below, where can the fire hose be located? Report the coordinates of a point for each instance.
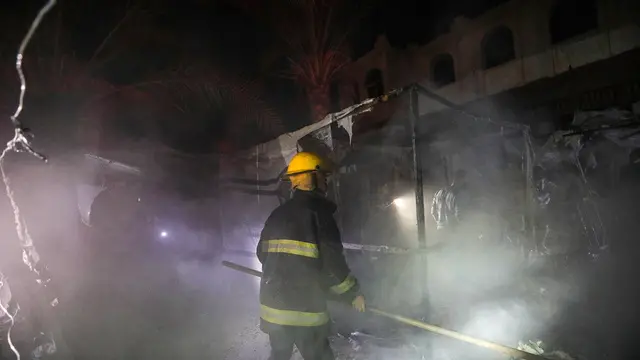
(506, 350)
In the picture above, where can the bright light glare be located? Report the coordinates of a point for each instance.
(164, 234)
(399, 203)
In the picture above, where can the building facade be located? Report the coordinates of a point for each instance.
(508, 55)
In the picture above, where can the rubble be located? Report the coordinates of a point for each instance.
(538, 347)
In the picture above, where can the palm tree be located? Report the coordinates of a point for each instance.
(215, 111)
(313, 36)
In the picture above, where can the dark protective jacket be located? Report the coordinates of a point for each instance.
(303, 264)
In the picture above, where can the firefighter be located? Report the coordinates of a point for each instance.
(303, 265)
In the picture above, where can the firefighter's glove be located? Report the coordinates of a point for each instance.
(359, 303)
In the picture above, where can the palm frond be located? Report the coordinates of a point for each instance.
(314, 33)
(194, 92)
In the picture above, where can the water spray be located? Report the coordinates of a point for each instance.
(21, 143)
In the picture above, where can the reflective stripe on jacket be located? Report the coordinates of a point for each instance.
(293, 318)
(303, 263)
(292, 247)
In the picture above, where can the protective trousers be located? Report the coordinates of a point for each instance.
(312, 342)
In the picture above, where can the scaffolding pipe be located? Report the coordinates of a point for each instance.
(417, 167)
(442, 100)
(506, 350)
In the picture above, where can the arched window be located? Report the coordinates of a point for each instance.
(374, 83)
(497, 47)
(442, 70)
(570, 18)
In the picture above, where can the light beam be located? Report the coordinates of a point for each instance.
(399, 203)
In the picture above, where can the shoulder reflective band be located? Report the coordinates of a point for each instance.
(293, 318)
(292, 247)
(344, 286)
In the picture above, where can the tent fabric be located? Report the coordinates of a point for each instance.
(266, 161)
(254, 171)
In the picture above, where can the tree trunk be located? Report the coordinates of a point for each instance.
(319, 102)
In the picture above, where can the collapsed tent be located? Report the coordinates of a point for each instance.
(255, 175)
(573, 170)
(496, 162)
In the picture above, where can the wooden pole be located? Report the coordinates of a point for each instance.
(506, 350)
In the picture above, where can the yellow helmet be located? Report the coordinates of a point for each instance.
(304, 162)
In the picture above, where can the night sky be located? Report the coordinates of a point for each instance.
(217, 29)
(218, 33)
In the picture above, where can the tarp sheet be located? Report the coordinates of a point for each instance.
(254, 174)
(572, 168)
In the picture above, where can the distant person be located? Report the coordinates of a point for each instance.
(447, 207)
(123, 306)
(117, 210)
(303, 263)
